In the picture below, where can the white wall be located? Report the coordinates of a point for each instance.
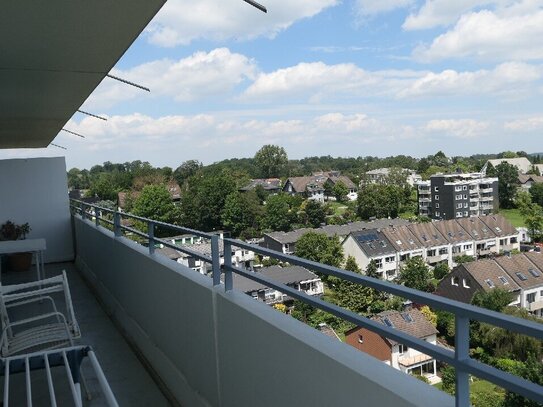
(35, 190)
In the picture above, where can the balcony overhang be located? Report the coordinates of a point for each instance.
(54, 54)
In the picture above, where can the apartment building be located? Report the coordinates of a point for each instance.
(453, 196)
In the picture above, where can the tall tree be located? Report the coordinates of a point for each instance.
(271, 160)
(340, 191)
(495, 300)
(320, 248)
(155, 203)
(186, 170)
(536, 191)
(507, 184)
(314, 213)
(281, 212)
(241, 212)
(416, 274)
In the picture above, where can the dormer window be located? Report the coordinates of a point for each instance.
(455, 280)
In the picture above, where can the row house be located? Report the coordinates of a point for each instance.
(439, 242)
(270, 185)
(285, 242)
(397, 355)
(521, 274)
(296, 277)
(372, 244)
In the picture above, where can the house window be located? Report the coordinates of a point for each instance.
(437, 214)
(360, 339)
(455, 280)
(466, 283)
(402, 349)
(459, 205)
(467, 247)
(530, 298)
(436, 197)
(466, 205)
(465, 187)
(465, 196)
(458, 214)
(458, 188)
(436, 189)
(443, 250)
(458, 197)
(466, 213)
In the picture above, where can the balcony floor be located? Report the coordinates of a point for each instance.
(128, 378)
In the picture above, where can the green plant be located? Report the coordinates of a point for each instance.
(12, 231)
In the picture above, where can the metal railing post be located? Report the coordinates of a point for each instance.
(228, 283)
(461, 343)
(151, 234)
(117, 231)
(97, 216)
(216, 262)
(83, 211)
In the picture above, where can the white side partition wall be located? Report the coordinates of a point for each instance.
(35, 190)
(211, 348)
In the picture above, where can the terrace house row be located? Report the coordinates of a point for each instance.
(285, 242)
(436, 242)
(521, 274)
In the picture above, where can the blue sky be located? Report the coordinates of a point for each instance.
(319, 77)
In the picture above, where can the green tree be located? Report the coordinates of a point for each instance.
(448, 379)
(241, 212)
(531, 370)
(507, 184)
(315, 213)
(495, 300)
(271, 161)
(463, 258)
(155, 203)
(441, 270)
(380, 200)
(202, 203)
(416, 274)
(281, 212)
(502, 343)
(186, 170)
(536, 191)
(340, 191)
(103, 187)
(320, 248)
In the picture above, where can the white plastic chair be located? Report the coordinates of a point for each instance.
(48, 330)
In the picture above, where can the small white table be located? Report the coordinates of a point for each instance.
(35, 246)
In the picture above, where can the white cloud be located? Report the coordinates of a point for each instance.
(460, 128)
(490, 35)
(180, 22)
(200, 75)
(368, 8)
(318, 80)
(528, 124)
(505, 78)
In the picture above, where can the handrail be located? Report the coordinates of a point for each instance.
(459, 358)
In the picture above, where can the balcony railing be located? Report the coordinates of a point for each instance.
(458, 358)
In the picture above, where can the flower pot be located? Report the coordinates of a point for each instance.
(20, 261)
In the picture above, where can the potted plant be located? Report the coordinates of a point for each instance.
(12, 231)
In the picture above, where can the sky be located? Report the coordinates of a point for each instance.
(319, 77)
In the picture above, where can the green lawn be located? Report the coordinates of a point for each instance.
(482, 393)
(338, 207)
(513, 216)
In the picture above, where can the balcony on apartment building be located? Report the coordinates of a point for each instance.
(205, 343)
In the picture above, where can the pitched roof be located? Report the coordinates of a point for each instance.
(524, 178)
(344, 179)
(499, 225)
(523, 271)
(428, 234)
(301, 184)
(373, 242)
(269, 184)
(412, 322)
(452, 231)
(325, 329)
(476, 228)
(169, 252)
(489, 275)
(339, 230)
(522, 163)
(402, 238)
(283, 275)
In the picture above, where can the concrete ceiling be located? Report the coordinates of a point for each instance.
(53, 54)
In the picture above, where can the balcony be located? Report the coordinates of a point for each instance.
(208, 338)
(536, 305)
